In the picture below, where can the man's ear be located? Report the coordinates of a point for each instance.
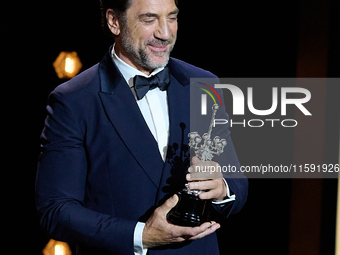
(112, 22)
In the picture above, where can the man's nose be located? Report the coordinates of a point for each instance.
(163, 30)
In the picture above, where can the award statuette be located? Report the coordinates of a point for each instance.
(190, 209)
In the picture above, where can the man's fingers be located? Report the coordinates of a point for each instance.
(205, 185)
(195, 160)
(213, 227)
(158, 231)
(168, 205)
(190, 232)
(204, 170)
(200, 176)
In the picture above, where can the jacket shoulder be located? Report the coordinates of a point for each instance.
(189, 70)
(83, 82)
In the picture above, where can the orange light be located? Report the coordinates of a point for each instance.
(56, 248)
(67, 65)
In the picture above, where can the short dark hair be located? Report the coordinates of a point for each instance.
(119, 7)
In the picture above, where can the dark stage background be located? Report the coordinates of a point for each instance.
(229, 38)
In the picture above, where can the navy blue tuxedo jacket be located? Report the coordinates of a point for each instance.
(100, 171)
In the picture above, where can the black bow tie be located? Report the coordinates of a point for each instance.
(143, 84)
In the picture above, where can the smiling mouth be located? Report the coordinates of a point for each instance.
(158, 48)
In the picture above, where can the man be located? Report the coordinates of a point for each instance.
(104, 170)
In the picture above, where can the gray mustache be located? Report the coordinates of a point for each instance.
(160, 42)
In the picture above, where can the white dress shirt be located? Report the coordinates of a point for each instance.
(154, 108)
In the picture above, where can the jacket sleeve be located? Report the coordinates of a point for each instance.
(60, 185)
(230, 166)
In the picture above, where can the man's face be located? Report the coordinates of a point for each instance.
(148, 34)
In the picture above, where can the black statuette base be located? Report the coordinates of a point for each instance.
(190, 211)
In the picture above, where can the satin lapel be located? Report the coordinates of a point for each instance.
(179, 111)
(126, 118)
(179, 104)
(178, 155)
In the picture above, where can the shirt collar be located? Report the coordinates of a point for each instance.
(128, 71)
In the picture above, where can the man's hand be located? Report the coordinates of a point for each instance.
(158, 231)
(205, 176)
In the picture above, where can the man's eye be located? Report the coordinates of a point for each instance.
(173, 18)
(149, 21)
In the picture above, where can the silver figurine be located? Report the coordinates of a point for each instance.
(209, 148)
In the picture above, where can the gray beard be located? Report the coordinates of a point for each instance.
(139, 56)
